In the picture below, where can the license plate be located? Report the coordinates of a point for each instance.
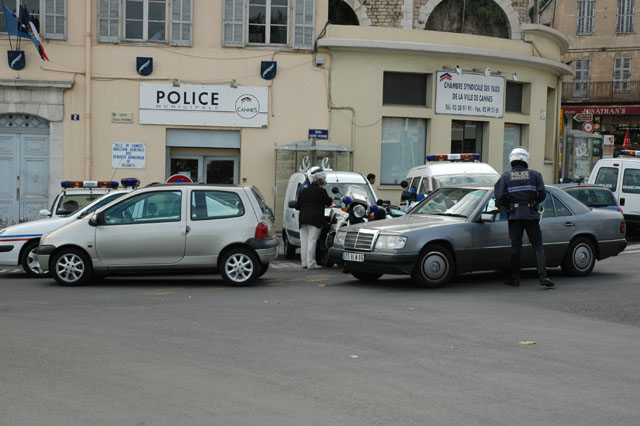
(353, 257)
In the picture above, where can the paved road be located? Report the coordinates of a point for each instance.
(319, 348)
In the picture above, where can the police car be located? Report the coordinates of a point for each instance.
(18, 243)
(444, 170)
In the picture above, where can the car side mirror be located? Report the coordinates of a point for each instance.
(292, 204)
(488, 217)
(406, 195)
(404, 184)
(44, 212)
(97, 219)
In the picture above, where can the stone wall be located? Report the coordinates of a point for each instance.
(384, 13)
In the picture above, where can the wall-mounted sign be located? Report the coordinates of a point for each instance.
(469, 94)
(16, 59)
(122, 117)
(318, 134)
(268, 69)
(128, 155)
(196, 105)
(587, 127)
(583, 116)
(75, 117)
(603, 110)
(144, 65)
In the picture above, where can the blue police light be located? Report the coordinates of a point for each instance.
(420, 197)
(373, 208)
(346, 200)
(453, 157)
(130, 182)
(630, 152)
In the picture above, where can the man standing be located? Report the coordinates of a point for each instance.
(371, 178)
(520, 191)
(311, 203)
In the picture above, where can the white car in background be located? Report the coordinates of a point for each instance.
(18, 243)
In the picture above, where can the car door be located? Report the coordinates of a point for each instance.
(630, 188)
(558, 225)
(491, 244)
(146, 229)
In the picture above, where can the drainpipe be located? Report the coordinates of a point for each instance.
(87, 92)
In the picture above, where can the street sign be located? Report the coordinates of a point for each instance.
(179, 178)
(587, 127)
(583, 116)
(318, 134)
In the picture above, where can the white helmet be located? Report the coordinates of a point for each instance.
(312, 171)
(519, 154)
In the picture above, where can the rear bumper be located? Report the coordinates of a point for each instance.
(611, 248)
(265, 248)
(376, 262)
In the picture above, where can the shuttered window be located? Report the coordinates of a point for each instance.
(586, 10)
(181, 27)
(624, 16)
(109, 21)
(304, 20)
(621, 74)
(55, 19)
(581, 81)
(233, 23)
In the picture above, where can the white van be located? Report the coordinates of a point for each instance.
(341, 180)
(444, 170)
(622, 176)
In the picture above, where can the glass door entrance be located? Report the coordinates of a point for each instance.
(206, 169)
(220, 170)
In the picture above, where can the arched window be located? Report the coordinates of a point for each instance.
(480, 17)
(340, 13)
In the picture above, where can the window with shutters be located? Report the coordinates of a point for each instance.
(146, 20)
(581, 80)
(48, 16)
(586, 10)
(624, 16)
(269, 22)
(621, 74)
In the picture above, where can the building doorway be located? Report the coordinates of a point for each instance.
(24, 167)
(205, 168)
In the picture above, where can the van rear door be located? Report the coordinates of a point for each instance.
(629, 194)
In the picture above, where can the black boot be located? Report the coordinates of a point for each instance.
(514, 275)
(541, 265)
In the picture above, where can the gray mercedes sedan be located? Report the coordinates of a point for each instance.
(458, 230)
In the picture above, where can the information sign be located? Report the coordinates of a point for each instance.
(469, 94)
(318, 133)
(128, 155)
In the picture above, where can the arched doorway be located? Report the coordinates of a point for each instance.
(24, 167)
(340, 13)
(480, 17)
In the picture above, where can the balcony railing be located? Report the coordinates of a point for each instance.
(601, 91)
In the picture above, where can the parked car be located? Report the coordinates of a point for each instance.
(591, 195)
(622, 176)
(18, 243)
(444, 170)
(457, 230)
(167, 228)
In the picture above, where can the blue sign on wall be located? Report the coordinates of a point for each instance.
(318, 133)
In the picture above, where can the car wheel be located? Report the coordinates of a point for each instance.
(264, 267)
(366, 276)
(289, 250)
(434, 267)
(71, 266)
(580, 257)
(239, 266)
(29, 261)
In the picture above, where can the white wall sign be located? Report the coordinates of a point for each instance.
(197, 105)
(469, 94)
(128, 155)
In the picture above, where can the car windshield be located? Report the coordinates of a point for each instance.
(70, 202)
(102, 202)
(466, 179)
(360, 189)
(458, 202)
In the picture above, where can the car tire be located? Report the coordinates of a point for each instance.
(264, 267)
(580, 258)
(289, 250)
(434, 267)
(366, 276)
(240, 266)
(71, 267)
(29, 261)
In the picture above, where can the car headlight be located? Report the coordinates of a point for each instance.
(359, 211)
(339, 240)
(390, 242)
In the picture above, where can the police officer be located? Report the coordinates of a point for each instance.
(520, 191)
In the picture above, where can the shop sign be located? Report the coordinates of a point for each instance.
(122, 117)
(128, 155)
(602, 110)
(469, 94)
(199, 105)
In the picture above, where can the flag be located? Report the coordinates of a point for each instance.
(27, 22)
(12, 23)
(627, 140)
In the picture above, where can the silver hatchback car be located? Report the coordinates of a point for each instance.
(167, 228)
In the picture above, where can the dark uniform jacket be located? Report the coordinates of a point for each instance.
(520, 190)
(311, 203)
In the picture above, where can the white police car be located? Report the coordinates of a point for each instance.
(18, 243)
(444, 170)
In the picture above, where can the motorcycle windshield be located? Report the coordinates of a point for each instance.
(357, 192)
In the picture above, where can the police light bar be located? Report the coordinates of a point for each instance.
(630, 152)
(89, 184)
(130, 182)
(453, 157)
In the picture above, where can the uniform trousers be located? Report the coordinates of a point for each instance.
(517, 227)
(309, 235)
